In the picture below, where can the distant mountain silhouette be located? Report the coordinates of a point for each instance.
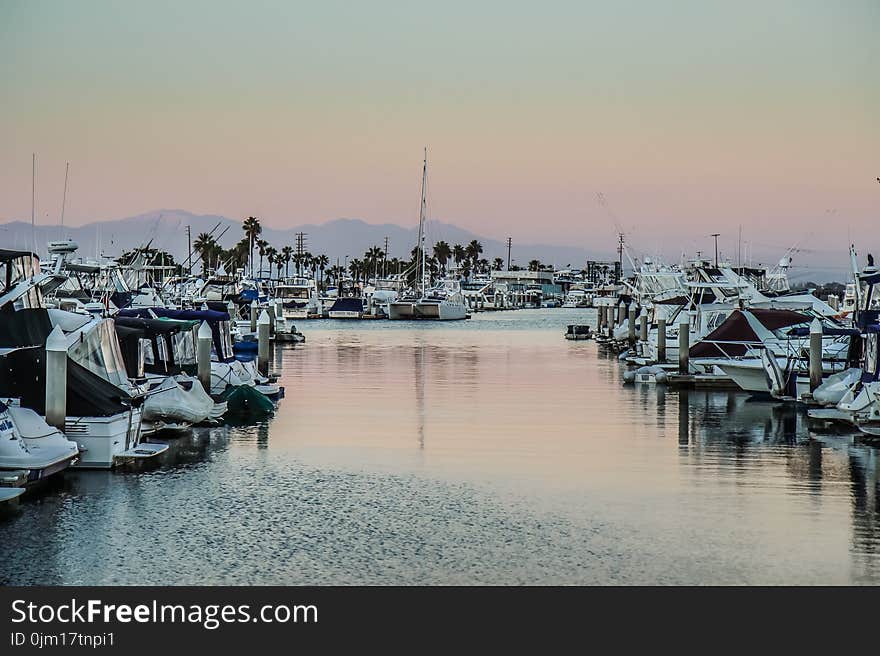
(166, 229)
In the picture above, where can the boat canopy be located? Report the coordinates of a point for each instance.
(185, 315)
(163, 350)
(218, 321)
(23, 375)
(25, 327)
(734, 335)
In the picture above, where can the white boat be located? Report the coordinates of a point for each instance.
(299, 298)
(28, 443)
(445, 302)
(101, 403)
(576, 298)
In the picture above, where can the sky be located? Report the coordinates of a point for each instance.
(688, 117)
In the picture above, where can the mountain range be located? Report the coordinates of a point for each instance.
(166, 230)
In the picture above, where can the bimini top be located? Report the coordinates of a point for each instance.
(151, 327)
(743, 328)
(183, 315)
(6, 255)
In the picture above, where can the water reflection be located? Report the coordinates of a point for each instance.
(541, 467)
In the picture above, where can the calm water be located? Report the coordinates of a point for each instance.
(486, 451)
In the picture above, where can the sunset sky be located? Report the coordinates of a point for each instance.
(691, 117)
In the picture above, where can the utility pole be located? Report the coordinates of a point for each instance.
(300, 249)
(189, 250)
(509, 242)
(716, 235)
(620, 242)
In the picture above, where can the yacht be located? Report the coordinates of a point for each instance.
(299, 297)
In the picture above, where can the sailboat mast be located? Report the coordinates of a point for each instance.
(422, 219)
(64, 198)
(34, 200)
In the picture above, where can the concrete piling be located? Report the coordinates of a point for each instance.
(815, 354)
(56, 378)
(263, 342)
(203, 356)
(684, 336)
(661, 340)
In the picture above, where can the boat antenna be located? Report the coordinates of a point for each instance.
(34, 199)
(64, 198)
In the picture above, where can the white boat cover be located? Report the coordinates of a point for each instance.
(832, 389)
(170, 401)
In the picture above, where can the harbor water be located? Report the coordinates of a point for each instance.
(487, 451)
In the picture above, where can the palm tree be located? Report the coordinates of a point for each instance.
(286, 255)
(297, 261)
(204, 245)
(458, 253)
(442, 251)
(323, 261)
(358, 270)
(433, 267)
(497, 264)
(372, 258)
(483, 265)
(272, 256)
(473, 251)
(534, 265)
(262, 245)
(252, 229)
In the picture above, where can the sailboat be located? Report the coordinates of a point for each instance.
(444, 302)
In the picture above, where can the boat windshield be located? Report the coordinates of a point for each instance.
(17, 268)
(98, 351)
(184, 347)
(292, 292)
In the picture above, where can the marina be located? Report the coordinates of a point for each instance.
(487, 425)
(380, 466)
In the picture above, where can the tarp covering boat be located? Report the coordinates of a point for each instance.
(348, 305)
(168, 400)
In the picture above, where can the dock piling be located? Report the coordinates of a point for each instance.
(254, 312)
(631, 324)
(815, 354)
(661, 340)
(263, 342)
(203, 356)
(56, 378)
(684, 336)
(643, 326)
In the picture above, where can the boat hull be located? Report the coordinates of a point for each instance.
(438, 311)
(104, 439)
